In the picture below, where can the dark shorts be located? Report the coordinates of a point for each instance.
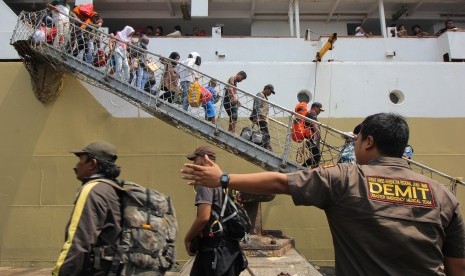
(230, 108)
(230, 261)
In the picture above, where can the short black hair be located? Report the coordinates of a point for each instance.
(174, 55)
(243, 74)
(390, 133)
(177, 28)
(357, 129)
(150, 27)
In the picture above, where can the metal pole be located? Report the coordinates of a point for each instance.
(297, 18)
(291, 18)
(382, 18)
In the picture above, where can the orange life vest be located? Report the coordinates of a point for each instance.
(299, 131)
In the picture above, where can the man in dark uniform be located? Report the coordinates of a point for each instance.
(385, 219)
(96, 218)
(313, 144)
(217, 255)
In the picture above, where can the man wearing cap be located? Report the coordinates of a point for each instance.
(217, 255)
(96, 218)
(313, 144)
(260, 112)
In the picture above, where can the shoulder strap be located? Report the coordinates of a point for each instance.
(109, 182)
(227, 200)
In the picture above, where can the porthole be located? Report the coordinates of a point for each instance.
(396, 96)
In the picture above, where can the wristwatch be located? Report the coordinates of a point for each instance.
(224, 180)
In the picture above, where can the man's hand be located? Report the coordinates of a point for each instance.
(208, 175)
(187, 245)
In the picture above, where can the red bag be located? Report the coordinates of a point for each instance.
(206, 95)
(100, 58)
(87, 9)
(51, 34)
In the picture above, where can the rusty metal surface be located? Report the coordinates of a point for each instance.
(266, 246)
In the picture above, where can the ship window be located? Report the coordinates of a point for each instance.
(396, 96)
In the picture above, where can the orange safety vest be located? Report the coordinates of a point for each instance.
(299, 131)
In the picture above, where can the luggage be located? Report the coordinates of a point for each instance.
(254, 135)
(87, 9)
(151, 66)
(206, 95)
(135, 64)
(100, 58)
(194, 94)
(149, 230)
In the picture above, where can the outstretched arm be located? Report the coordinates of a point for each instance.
(259, 183)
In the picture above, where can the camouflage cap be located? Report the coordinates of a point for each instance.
(99, 149)
(201, 151)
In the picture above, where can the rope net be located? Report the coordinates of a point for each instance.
(249, 117)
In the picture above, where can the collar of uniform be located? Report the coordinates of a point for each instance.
(92, 177)
(389, 161)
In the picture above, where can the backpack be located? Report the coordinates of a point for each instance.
(254, 135)
(149, 229)
(87, 9)
(206, 95)
(100, 59)
(246, 133)
(232, 221)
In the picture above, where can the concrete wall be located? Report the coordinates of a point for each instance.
(37, 184)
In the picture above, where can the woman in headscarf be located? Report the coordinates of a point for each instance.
(123, 38)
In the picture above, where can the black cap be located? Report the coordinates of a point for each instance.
(99, 149)
(271, 87)
(202, 151)
(319, 105)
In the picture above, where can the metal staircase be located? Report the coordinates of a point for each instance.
(45, 51)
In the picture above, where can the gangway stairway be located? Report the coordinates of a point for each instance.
(46, 61)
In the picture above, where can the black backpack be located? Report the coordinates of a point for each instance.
(232, 221)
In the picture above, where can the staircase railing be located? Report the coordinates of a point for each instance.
(93, 57)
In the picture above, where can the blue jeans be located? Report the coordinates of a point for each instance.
(142, 77)
(89, 50)
(185, 86)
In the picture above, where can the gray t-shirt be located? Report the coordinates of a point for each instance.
(211, 196)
